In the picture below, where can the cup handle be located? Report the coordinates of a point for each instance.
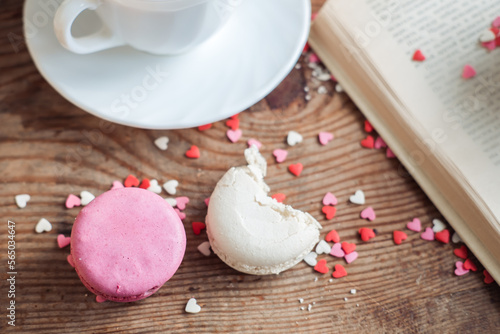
(66, 14)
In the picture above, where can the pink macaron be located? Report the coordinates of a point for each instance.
(126, 244)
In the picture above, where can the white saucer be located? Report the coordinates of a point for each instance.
(236, 68)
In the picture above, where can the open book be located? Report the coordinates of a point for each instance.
(443, 128)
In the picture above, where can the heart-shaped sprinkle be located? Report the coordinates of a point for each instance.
(86, 197)
(296, 169)
(469, 265)
(63, 241)
(321, 266)
(438, 225)
(487, 36)
(205, 127)
(399, 237)
(154, 186)
(181, 215)
(192, 307)
(181, 202)
(233, 123)
(461, 252)
(22, 200)
(69, 258)
(368, 142)
(325, 137)
(496, 22)
(329, 199)
(294, 138)
(366, 233)
(254, 142)
(488, 279)
(313, 58)
(418, 56)
(332, 236)
(206, 200)
(389, 154)
(280, 155)
(279, 197)
(171, 186)
(310, 259)
(43, 225)
(197, 227)
(131, 181)
(468, 72)
(145, 184)
(456, 238)
(358, 197)
(415, 225)
(368, 213)
(351, 257)
(171, 201)
(193, 152)
(368, 126)
(428, 234)
(233, 135)
(490, 45)
(329, 211)
(460, 271)
(204, 248)
(379, 143)
(443, 236)
(348, 247)
(323, 247)
(100, 299)
(162, 143)
(337, 250)
(339, 271)
(72, 201)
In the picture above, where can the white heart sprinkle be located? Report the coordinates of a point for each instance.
(171, 186)
(86, 197)
(438, 225)
(204, 248)
(162, 143)
(310, 259)
(358, 197)
(456, 238)
(43, 225)
(154, 186)
(294, 138)
(22, 199)
(487, 36)
(192, 307)
(323, 248)
(171, 201)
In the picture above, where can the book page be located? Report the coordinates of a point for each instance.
(458, 118)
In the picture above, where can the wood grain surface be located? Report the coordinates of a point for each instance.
(50, 148)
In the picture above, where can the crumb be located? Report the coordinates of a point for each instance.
(309, 307)
(322, 90)
(306, 89)
(301, 300)
(345, 299)
(298, 66)
(353, 291)
(308, 97)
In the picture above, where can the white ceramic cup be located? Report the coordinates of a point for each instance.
(155, 26)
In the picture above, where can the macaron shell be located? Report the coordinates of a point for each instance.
(127, 243)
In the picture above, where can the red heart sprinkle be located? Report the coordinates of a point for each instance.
(399, 237)
(368, 126)
(233, 123)
(418, 56)
(193, 152)
(205, 127)
(368, 142)
(469, 265)
(332, 236)
(443, 236)
(197, 227)
(339, 271)
(321, 266)
(461, 252)
(145, 184)
(348, 247)
(279, 197)
(366, 233)
(329, 211)
(131, 181)
(487, 277)
(296, 169)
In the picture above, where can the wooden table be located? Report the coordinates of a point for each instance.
(50, 148)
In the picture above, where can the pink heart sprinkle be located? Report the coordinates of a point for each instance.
(100, 299)
(389, 154)
(313, 58)
(63, 241)
(379, 143)
(460, 271)
(368, 213)
(489, 45)
(325, 137)
(69, 258)
(280, 155)
(207, 200)
(428, 234)
(468, 72)
(234, 135)
(414, 225)
(181, 202)
(351, 257)
(329, 199)
(181, 215)
(337, 250)
(255, 142)
(72, 201)
(496, 22)
(117, 185)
